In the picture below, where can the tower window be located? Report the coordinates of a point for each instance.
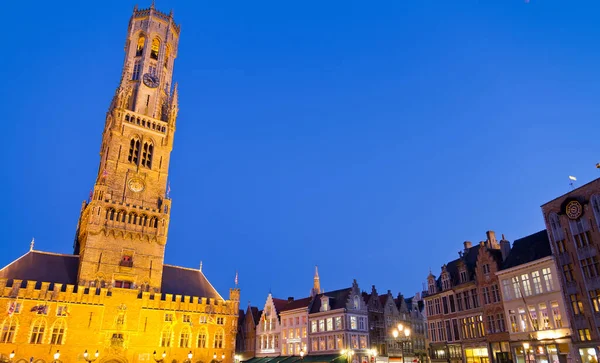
(167, 54)
(155, 48)
(123, 284)
(126, 261)
(140, 46)
(134, 151)
(152, 70)
(137, 67)
(147, 155)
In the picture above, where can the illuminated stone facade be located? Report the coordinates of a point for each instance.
(115, 294)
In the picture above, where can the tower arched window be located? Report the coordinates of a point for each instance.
(218, 343)
(184, 337)
(38, 328)
(140, 46)
(147, 152)
(155, 48)
(9, 329)
(595, 202)
(134, 151)
(137, 69)
(165, 336)
(58, 332)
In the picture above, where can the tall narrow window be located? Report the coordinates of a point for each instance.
(147, 155)
(58, 332)
(184, 337)
(537, 282)
(547, 274)
(167, 55)
(568, 272)
(516, 286)
(140, 46)
(137, 68)
(218, 339)
(202, 338)
(526, 284)
(37, 331)
(556, 315)
(155, 48)
(9, 328)
(506, 289)
(576, 304)
(165, 337)
(134, 151)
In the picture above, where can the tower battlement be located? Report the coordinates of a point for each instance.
(151, 11)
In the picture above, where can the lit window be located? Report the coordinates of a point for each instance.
(140, 46)
(218, 339)
(155, 48)
(184, 337)
(9, 328)
(353, 323)
(166, 335)
(202, 338)
(547, 274)
(37, 331)
(537, 282)
(58, 332)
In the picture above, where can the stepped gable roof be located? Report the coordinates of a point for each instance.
(297, 304)
(43, 267)
(186, 281)
(527, 249)
(337, 299)
(497, 255)
(469, 258)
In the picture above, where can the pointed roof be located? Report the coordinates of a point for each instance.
(337, 299)
(297, 304)
(186, 281)
(43, 267)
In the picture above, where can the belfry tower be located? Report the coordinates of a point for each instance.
(123, 228)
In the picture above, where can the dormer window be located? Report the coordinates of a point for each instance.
(432, 286)
(445, 281)
(356, 302)
(325, 303)
(463, 275)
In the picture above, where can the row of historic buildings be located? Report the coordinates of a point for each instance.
(327, 323)
(535, 301)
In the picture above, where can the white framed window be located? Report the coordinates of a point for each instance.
(537, 282)
(547, 274)
(166, 337)
(353, 323)
(184, 337)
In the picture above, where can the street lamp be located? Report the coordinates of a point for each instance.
(237, 358)
(56, 355)
(86, 356)
(348, 353)
(404, 339)
(526, 351)
(373, 353)
(162, 357)
(190, 356)
(301, 354)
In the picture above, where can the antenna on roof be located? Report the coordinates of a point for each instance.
(573, 180)
(31, 244)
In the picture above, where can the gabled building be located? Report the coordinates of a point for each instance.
(456, 317)
(418, 326)
(268, 329)
(377, 328)
(245, 346)
(339, 320)
(533, 302)
(294, 321)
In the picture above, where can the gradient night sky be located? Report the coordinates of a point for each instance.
(370, 138)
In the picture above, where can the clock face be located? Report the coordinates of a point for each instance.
(150, 80)
(136, 185)
(573, 210)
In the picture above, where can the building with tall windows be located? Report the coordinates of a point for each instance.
(460, 325)
(573, 225)
(533, 302)
(115, 294)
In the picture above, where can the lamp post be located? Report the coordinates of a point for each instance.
(87, 357)
(301, 355)
(397, 333)
(190, 356)
(348, 353)
(56, 356)
(11, 356)
(526, 351)
(237, 358)
(162, 357)
(373, 354)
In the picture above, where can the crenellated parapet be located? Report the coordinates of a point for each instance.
(152, 12)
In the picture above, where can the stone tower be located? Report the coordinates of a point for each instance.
(123, 228)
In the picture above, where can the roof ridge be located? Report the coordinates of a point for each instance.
(55, 253)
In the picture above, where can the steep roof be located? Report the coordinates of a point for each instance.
(256, 314)
(469, 258)
(62, 268)
(527, 249)
(337, 299)
(43, 267)
(186, 281)
(297, 304)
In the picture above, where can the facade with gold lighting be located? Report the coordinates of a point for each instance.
(115, 294)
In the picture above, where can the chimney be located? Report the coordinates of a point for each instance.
(491, 237)
(504, 248)
(467, 245)
(290, 299)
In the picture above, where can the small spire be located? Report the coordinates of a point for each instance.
(503, 237)
(135, 7)
(236, 279)
(152, 5)
(200, 269)
(171, 13)
(31, 244)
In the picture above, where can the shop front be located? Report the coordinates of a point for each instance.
(445, 353)
(501, 352)
(544, 352)
(477, 354)
(588, 355)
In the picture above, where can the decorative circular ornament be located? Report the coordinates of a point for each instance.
(573, 209)
(136, 185)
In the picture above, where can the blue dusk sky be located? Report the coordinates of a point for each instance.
(370, 138)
